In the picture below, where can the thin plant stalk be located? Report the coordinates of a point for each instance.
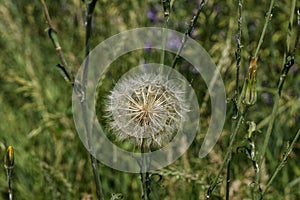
(238, 58)
(89, 15)
(228, 178)
(188, 33)
(290, 25)
(167, 9)
(289, 61)
(10, 193)
(226, 158)
(69, 78)
(144, 173)
(282, 162)
(236, 91)
(268, 135)
(64, 67)
(9, 182)
(9, 165)
(268, 19)
(221, 63)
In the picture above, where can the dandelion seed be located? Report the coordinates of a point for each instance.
(147, 106)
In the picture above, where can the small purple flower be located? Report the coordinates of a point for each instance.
(64, 6)
(267, 97)
(218, 9)
(236, 37)
(174, 43)
(253, 25)
(152, 14)
(294, 69)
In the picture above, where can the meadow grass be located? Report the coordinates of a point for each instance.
(257, 153)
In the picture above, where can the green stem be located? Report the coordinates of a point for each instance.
(90, 11)
(228, 179)
(144, 173)
(227, 157)
(221, 63)
(282, 163)
(290, 26)
(267, 138)
(289, 59)
(268, 18)
(9, 183)
(64, 67)
(238, 59)
(188, 33)
(167, 8)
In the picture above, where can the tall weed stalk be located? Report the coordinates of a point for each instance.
(66, 72)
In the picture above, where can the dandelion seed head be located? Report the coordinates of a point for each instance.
(147, 106)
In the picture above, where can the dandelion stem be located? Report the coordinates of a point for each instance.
(268, 19)
(144, 173)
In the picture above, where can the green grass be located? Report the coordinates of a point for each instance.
(36, 108)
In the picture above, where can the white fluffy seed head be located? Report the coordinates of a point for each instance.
(147, 107)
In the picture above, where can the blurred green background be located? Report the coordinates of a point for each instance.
(36, 109)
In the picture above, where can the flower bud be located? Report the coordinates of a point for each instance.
(9, 158)
(249, 94)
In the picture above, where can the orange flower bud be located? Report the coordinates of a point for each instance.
(9, 158)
